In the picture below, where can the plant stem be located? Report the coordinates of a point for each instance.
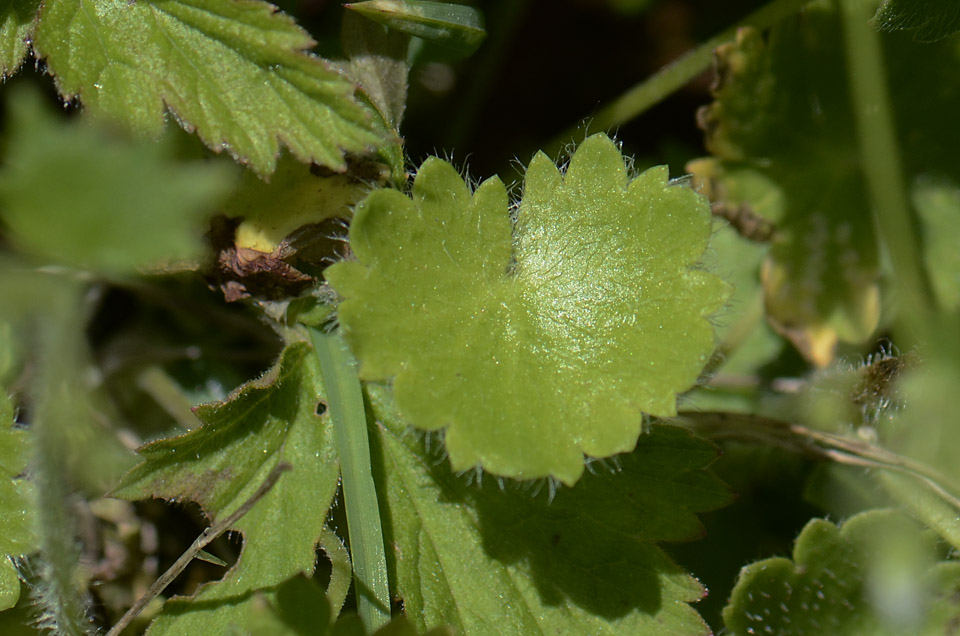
(929, 503)
(63, 605)
(672, 77)
(345, 402)
(880, 157)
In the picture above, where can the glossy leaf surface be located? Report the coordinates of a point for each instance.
(535, 344)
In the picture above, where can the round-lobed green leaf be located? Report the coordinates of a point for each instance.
(536, 342)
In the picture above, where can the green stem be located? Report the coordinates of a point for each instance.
(345, 402)
(880, 157)
(672, 77)
(63, 603)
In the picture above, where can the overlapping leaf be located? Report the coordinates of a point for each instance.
(876, 574)
(237, 72)
(293, 198)
(537, 344)
(930, 20)
(486, 560)
(299, 608)
(115, 206)
(220, 464)
(457, 26)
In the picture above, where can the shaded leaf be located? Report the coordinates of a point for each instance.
(782, 110)
(16, 21)
(457, 26)
(930, 20)
(484, 559)
(876, 574)
(535, 348)
(751, 205)
(238, 73)
(297, 608)
(117, 206)
(220, 464)
(378, 60)
(295, 196)
(17, 506)
(938, 205)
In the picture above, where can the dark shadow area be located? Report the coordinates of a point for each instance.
(593, 545)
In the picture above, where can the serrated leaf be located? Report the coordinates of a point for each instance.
(238, 73)
(220, 464)
(16, 504)
(873, 575)
(117, 205)
(488, 558)
(534, 349)
(457, 26)
(16, 22)
(930, 20)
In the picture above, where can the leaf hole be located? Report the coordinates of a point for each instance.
(321, 407)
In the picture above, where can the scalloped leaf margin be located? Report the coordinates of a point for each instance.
(535, 342)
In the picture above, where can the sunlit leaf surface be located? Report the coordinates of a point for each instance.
(535, 344)
(237, 72)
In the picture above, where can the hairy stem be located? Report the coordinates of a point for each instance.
(62, 602)
(672, 77)
(345, 402)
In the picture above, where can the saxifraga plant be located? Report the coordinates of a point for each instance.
(400, 401)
